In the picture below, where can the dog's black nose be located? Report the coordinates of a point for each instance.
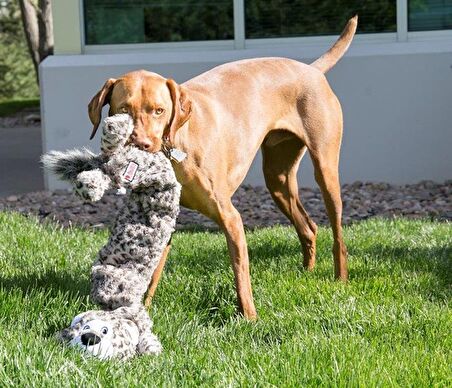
(89, 339)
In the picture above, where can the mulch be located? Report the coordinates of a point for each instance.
(361, 201)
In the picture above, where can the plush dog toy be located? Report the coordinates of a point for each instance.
(143, 228)
(120, 333)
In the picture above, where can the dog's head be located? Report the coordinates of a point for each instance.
(102, 335)
(158, 106)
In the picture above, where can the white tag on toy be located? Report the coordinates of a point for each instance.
(177, 155)
(130, 171)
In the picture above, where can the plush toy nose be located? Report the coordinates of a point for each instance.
(89, 339)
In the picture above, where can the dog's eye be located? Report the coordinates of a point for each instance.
(158, 111)
(104, 330)
(86, 327)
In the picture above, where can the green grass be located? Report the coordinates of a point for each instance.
(10, 107)
(389, 326)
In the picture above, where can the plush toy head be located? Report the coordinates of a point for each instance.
(102, 335)
(118, 333)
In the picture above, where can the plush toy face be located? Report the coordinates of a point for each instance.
(95, 337)
(100, 334)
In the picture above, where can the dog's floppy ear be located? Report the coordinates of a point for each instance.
(181, 109)
(98, 102)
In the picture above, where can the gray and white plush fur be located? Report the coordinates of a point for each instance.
(117, 333)
(143, 227)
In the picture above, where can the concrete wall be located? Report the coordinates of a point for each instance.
(396, 98)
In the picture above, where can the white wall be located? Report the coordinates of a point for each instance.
(396, 98)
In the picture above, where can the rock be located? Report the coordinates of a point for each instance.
(12, 198)
(44, 211)
(33, 118)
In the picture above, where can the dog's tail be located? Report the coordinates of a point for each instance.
(332, 56)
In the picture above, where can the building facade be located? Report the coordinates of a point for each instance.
(395, 83)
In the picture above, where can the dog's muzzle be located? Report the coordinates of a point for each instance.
(90, 339)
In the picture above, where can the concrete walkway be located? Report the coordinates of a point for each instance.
(20, 170)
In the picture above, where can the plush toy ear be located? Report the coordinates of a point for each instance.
(77, 319)
(65, 335)
(98, 102)
(181, 109)
(133, 332)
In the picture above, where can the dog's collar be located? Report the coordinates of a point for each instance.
(166, 148)
(172, 153)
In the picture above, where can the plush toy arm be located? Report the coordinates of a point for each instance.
(91, 185)
(148, 343)
(82, 168)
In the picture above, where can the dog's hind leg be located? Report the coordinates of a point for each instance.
(324, 135)
(280, 165)
(327, 176)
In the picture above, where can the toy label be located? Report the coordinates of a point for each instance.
(130, 171)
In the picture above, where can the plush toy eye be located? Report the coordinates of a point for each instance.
(124, 110)
(104, 330)
(86, 327)
(158, 111)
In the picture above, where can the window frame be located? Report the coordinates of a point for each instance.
(240, 42)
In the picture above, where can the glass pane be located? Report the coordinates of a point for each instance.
(286, 18)
(142, 21)
(427, 15)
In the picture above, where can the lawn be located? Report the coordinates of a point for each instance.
(10, 107)
(390, 325)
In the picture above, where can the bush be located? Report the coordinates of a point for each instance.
(17, 74)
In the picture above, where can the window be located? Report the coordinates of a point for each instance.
(427, 15)
(144, 21)
(285, 18)
(155, 21)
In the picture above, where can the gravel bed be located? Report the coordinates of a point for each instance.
(361, 201)
(28, 117)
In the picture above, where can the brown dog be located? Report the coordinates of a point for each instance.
(220, 119)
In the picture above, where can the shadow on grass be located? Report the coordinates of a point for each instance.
(52, 285)
(436, 261)
(211, 259)
(52, 282)
(215, 305)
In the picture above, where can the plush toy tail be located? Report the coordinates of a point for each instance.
(67, 165)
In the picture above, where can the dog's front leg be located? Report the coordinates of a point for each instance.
(156, 276)
(230, 221)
